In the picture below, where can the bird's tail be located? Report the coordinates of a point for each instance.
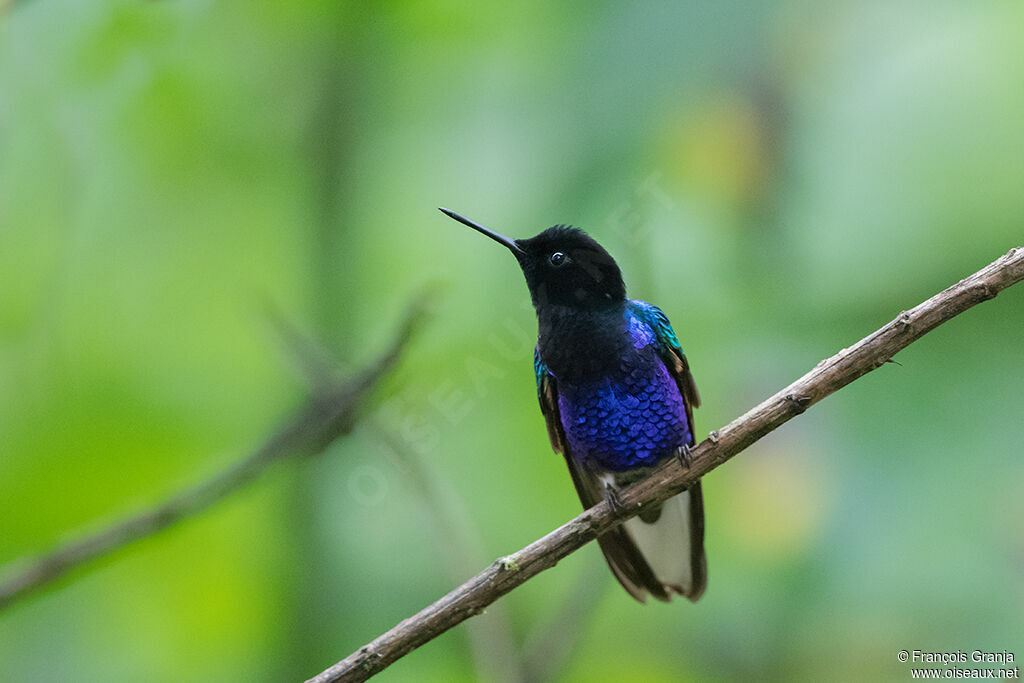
(663, 550)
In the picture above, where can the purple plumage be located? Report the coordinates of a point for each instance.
(633, 417)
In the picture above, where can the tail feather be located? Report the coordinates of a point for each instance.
(670, 547)
(659, 554)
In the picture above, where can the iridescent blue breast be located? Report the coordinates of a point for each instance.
(633, 417)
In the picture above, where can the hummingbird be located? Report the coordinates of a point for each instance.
(617, 396)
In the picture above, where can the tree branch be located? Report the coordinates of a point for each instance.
(328, 413)
(827, 376)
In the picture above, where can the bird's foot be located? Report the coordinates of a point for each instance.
(683, 456)
(611, 496)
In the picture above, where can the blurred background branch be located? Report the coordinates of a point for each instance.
(329, 412)
(829, 375)
(495, 653)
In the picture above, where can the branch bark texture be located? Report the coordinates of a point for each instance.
(831, 374)
(329, 412)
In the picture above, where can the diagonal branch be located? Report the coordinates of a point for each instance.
(329, 412)
(828, 376)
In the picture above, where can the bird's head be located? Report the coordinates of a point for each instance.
(563, 266)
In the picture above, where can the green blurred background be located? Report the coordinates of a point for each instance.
(780, 177)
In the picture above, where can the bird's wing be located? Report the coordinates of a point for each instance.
(671, 354)
(547, 394)
(687, 508)
(620, 551)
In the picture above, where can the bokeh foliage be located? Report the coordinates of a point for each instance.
(780, 177)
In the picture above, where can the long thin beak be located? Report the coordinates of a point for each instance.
(497, 237)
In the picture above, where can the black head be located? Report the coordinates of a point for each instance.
(563, 266)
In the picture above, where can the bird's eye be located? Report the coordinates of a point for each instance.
(558, 259)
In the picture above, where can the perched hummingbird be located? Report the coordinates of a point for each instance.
(618, 398)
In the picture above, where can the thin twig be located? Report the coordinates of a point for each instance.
(329, 413)
(494, 652)
(829, 375)
(552, 644)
